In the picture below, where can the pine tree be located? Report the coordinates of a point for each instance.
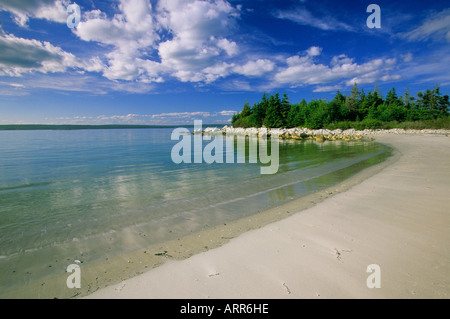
(407, 99)
(296, 116)
(339, 97)
(285, 108)
(259, 112)
(246, 111)
(391, 97)
(444, 106)
(352, 101)
(273, 114)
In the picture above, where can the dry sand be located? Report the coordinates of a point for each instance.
(398, 219)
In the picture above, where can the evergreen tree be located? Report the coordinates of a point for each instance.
(297, 114)
(234, 119)
(352, 102)
(407, 99)
(333, 111)
(364, 105)
(444, 106)
(339, 97)
(370, 109)
(392, 98)
(246, 111)
(285, 108)
(292, 119)
(274, 116)
(259, 112)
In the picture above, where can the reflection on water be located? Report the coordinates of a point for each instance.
(105, 192)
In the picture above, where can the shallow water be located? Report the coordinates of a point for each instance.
(83, 195)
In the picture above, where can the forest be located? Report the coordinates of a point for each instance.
(357, 110)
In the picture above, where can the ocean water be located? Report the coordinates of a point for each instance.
(87, 194)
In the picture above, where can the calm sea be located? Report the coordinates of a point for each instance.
(81, 195)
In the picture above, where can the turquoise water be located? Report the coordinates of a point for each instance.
(67, 195)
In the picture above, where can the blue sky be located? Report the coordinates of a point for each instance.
(173, 61)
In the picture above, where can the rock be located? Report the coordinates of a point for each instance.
(211, 131)
(299, 133)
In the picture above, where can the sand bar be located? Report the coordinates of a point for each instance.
(398, 219)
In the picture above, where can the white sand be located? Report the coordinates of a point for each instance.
(398, 219)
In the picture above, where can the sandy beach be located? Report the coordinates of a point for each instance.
(398, 219)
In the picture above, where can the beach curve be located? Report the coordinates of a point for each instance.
(396, 219)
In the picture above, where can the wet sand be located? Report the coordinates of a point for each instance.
(398, 218)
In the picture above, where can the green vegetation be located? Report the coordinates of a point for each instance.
(357, 110)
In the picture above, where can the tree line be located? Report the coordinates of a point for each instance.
(370, 110)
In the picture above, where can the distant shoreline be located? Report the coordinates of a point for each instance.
(69, 127)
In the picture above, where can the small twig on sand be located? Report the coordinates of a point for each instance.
(287, 288)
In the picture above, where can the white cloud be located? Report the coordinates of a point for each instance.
(328, 88)
(56, 11)
(199, 30)
(303, 70)
(388, 77)
(431, 68)
(186, 39)
(314, 51)
(172, 118)
(435, 27)
(131, 33)
(255, 68)
(52, 10)
(229, 47)
(214, 72)
(340, 60)
(72, 81)
(34, 56)
(408, 57)
(369, 77)
(237, 85)
(227, 113)
(146, 42)
(12, 89)
(181, 115)
(304, 17)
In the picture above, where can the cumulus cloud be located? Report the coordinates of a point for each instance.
(131, 33)
(340, 60)
(184, 39)
(255, 68)
(303, 70)
(199, 30)
(314, 51)
(19, 55)
(143, 42)
(52, 10)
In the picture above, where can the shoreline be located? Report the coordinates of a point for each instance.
(220, 272)
(319, 135)
(136, 263)
(109, 269)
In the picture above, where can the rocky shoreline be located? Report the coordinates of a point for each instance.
(318, 135)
